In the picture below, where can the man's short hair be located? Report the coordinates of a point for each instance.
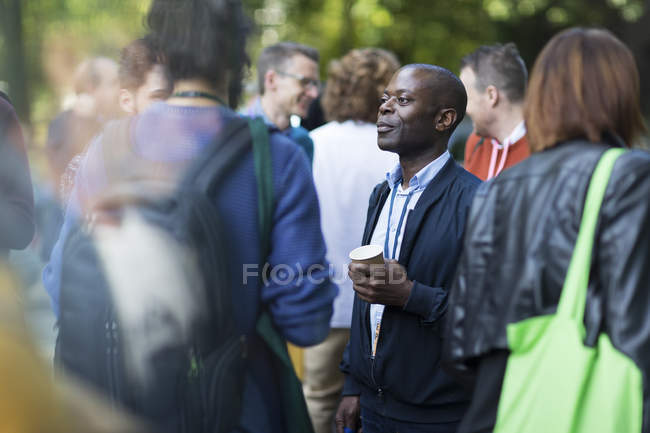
(136, 60)
(276, 56)
(501, 66)
(447, 88)
(356, 82)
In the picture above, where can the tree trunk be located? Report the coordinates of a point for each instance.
(347, 40)
(14, 61)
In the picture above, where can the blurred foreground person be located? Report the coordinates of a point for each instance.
(142, 79)
(16, 199)
(514, 285)
(96, 88)
(31, 401)
(347, 166)
(200, 323)
(393, 378)
(69, 133)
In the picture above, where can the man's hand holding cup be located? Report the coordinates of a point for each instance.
(377, 281)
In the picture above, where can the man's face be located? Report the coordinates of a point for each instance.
(106, 94)
(155, 88)
(405, 123)
(294, 91)
(478, 104)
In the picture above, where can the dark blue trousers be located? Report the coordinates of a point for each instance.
(372, 422)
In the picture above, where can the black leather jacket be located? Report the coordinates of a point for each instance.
(520, 236)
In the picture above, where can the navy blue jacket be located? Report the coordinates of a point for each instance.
(405, 381)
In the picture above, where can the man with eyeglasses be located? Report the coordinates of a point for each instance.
(288, 81)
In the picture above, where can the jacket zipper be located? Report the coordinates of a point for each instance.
(109, 360)
(380, 391)
(116, 362)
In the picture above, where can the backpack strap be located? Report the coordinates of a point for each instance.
(574, 292)
(264, 177)
(293, 401)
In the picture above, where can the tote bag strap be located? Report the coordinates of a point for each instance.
(574, 292)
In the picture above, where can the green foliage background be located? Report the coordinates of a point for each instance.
(41, 41)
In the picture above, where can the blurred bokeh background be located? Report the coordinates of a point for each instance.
(41, 41)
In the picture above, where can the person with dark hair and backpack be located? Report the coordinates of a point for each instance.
(246, 204)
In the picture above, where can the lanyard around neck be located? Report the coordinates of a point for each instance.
(199, 94)
(399, 224)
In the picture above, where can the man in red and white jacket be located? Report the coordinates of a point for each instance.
(495, 80)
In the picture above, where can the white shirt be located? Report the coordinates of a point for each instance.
(347, 166)
(416, 187)
(516, 135)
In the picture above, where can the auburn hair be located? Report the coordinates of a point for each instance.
(584, 83)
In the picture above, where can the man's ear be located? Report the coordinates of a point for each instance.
(445, 118)
(127, 101)
(493, 95)
(270, 79)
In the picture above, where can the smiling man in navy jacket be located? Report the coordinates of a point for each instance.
(394, 381)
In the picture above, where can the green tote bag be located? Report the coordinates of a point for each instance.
(554, 383)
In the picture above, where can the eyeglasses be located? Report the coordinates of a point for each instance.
(305, 82)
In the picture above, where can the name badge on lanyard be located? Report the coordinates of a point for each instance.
(379, 312)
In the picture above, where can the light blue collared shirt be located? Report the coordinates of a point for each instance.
(417, 185)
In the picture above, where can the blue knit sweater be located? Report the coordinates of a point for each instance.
(300, 307)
